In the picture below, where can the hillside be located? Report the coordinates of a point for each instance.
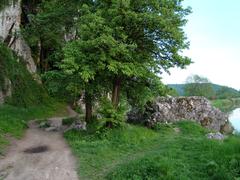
(217, 88)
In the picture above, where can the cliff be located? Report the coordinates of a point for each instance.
(11, 38)
(10, 22)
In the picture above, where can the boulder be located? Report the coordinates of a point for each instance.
(216, 136)
(173, 109)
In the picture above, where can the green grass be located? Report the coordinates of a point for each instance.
(139, 153)
(13, 120)
(226, 105)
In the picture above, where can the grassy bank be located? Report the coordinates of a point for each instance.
(226, 105)
(13, 119)
(140, 153)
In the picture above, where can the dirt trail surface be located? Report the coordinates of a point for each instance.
(39, 155)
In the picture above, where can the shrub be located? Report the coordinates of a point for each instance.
(110, 116)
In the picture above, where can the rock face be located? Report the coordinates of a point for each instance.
(10, 21)
(172, 109)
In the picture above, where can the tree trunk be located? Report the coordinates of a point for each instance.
(116, 92)
(88, 106)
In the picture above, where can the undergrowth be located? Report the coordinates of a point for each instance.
(135, 152)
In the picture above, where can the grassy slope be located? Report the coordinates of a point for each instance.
(140, 153)
(26, 92)
(13, 119)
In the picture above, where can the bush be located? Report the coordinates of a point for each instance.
(110, 116)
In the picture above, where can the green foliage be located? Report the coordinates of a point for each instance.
(139, 91)
(40, 28)
(126, 41)
(178, 87)
(172, 92)
(25, 90)
(61, 86)
(111, 117)
(5, 3)
(136, 153)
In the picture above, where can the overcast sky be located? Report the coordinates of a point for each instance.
(214, 33)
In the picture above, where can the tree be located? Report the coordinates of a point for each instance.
(198, 86)
(45, 37)
(125, 41)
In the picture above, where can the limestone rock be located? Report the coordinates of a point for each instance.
(55, 122)
(217, 136)
(173, 109)
(10, 22)
(49, 129)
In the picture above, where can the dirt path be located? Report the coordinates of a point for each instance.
(25, 162)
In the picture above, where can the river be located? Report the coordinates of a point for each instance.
(234, 118)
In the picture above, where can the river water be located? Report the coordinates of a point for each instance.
(234, 118)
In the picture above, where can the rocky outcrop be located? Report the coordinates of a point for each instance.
(173, 109)
(10, 22)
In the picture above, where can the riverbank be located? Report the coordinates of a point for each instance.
(227, 105)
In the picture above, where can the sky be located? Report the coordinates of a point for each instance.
(213, 30)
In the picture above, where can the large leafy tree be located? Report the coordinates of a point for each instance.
(121, 42)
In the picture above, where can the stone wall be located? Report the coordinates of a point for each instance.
(10, 21)
(173, 109)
